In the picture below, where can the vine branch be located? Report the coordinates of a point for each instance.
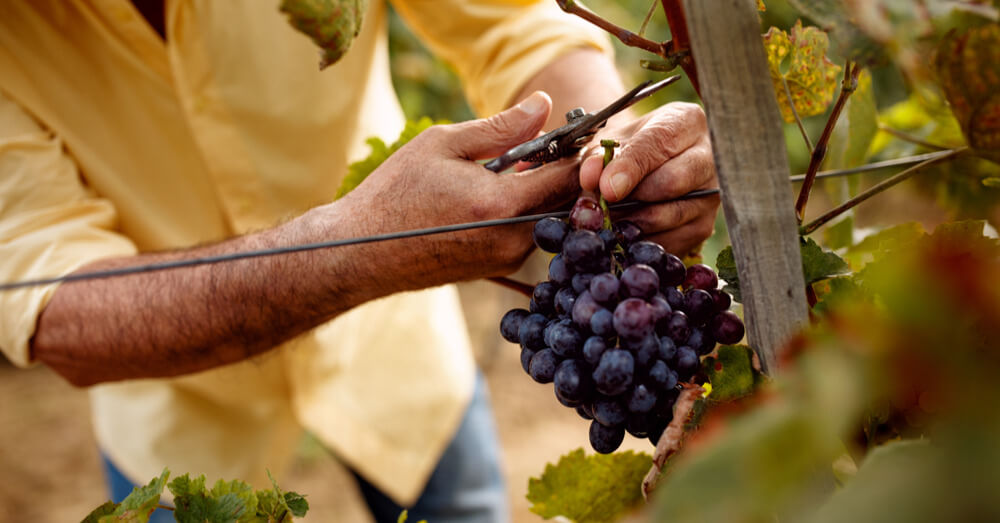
(627, 37)
(847, 87)
(672, 439)
(907, 137)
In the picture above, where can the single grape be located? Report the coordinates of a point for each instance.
(638, 425)
(605, 439)
(572, 380)
(584, 411)
(614, 372)
(668, 349)
(687, 361)
(646, 352)
(602, 323)
(549, 234)
(566, 402)
(721, 298)
(610, 412)
(627, 232)
(584, 308)
(544, 297)
(531, 331)
(584, 251)
(565, 340)
(641, 400)
(656, 429)
(661, 377)
(565, 299)
(647, 253)
(699, 306)
(673, 272)
(701, 341)
(581, 281)
(593, 348)
(664, 408)
(640, 281)
(586, 214)
(510, 323)
(543, 366)
(661, 309)
(604, 287)
(526, 355)
(633, 319)
(677, 327)
(559, 272)
(727, 328)
(674, 297)
(700, 276)
(610, 240)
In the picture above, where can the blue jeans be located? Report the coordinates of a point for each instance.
(465, 487)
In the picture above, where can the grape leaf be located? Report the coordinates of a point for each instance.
(731, 372)
(839, 234)
(595, 488)
(230, 501)
(799, 60)
(139, 504)
(278, 506)
(817, 264)
(331, 24)
(968, 68)
(358, 171)
(107, 509)
(725, 267)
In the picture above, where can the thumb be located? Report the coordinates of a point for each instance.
(489, 137)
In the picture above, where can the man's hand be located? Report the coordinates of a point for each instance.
(664, 154)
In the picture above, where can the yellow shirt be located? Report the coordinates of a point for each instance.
(112, 142)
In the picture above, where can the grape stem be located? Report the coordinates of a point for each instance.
(672, 439)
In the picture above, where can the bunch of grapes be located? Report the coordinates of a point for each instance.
(618, 325)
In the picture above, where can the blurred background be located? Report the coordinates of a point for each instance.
(49, 468)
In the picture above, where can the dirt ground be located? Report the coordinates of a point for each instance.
(50, 469)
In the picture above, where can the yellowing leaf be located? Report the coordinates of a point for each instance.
(799, 60)
(968, 67)
(331, 24)
(595, 488)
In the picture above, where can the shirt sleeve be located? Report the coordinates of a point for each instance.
(50, 224)
(498, 45)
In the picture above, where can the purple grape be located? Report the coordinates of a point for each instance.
(656, 429)
(584, 308)
(526, 355)
(638, 425)
(586, 214)
(668, 349)
(701, 341)
(572, 380)
(593, 348)
(542, 367)
(531, 332)
(673, 272)
(727, 328)
(581, 281)
(614, 372)
(584, 412)
(559, 271)
(646, 352)
(565, 299)
(640, 281)
(633, 319)
(641, 400)
(700, 276)
(661, 377)
(566, 402)
(647, 253)
(565, 340)
(544, 297)
(584, 251)
(610, 412)
(699, 306)
(602, 323)
(510, 323)
(661, 309)
(604, 287)
(687, 361)
(664, 408)
(605, 439)
(674, 297)
(610, 240)
(627, 232)
(722, 299)
(549, 234)
(677, 327)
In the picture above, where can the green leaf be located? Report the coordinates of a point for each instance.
(296, 503)
(725, 267)
(138, 505)
(968, 68)
(358, 171)
(278, 506)
(595, 488)
(866, 250)
(107, 509)
(731, 373)
(799, 60)
(331, 24)
(840, 234)
(227, 501)
(820, 264)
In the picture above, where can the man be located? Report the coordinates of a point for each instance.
(121, 146)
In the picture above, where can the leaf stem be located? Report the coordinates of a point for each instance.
(877, 188)
(649, 16)
(795, 113)
(907, 137)
(627, 37)
(848, 86)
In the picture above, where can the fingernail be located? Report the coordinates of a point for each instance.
(533, 104)
(619, 184)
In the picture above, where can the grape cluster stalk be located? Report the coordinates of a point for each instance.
(619, 324)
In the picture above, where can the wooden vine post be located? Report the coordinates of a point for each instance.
(750, 156)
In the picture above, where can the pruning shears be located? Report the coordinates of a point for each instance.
(579, 129)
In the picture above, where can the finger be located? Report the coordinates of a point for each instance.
(541, 189)
(693, 169)
(676, 128)
(489, 137)
(656, 219)
(590, 171)
(686, 239)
